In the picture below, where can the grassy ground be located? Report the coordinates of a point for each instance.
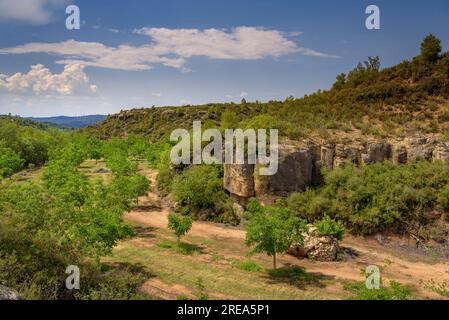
(214, 262)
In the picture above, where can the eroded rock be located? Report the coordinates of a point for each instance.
(8, 294)
(239, 180)
(315, 246)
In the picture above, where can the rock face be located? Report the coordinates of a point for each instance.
(294, 173)
(300, 162)
(441, 152)
(8, 294)
(419, 148)
(316, 247)
(376, 152)
(239, 180)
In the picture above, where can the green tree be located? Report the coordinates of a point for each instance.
(272, 230)
(180, 225)
(430, 49)
(10, 162)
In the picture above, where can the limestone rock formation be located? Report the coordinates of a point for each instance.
(239, 180)
(300, 162)
(346, 154)
(315, 246)
(294, 171)
(376, 152)
(8, 294)
(441, 152)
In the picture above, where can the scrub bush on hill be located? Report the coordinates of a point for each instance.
(377, 197)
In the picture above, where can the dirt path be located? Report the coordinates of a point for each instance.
(153, 212)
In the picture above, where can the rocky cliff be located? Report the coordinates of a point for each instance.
(300, 162)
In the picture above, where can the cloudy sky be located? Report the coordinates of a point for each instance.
(174, 52)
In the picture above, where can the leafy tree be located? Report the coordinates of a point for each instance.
(272, 230)
(180, 225)
(430, 49)
(139, 186)
(10, 162)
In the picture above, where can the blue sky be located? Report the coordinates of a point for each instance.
(142, 53)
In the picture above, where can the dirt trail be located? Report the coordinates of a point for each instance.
(153, 212)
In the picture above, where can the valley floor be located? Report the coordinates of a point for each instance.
(217, 247)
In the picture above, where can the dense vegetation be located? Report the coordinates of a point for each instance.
(380, 197)
(66, 218)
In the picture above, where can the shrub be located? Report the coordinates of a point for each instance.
(179, 225)
(395, 291)
(10, 162)
(330, 227)
(377, 197)
(199, 191)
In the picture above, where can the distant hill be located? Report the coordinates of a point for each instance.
(72, 122)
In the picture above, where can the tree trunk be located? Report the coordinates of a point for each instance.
(274, 261)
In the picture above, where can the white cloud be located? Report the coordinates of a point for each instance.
(157, 94)
(242, 43)
(39, 80)
(30, 11)
(243, 94)
(172, 48)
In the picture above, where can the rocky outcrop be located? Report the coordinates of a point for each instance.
(376, 152)
(8, 294)
(419, 148)
(315, 246)
(300, 162)
(239, 180)
(346, 154)
(294, 171)
(441, 152)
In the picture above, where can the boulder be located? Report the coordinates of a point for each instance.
(8, 294)
(239, 180)
(315, 246)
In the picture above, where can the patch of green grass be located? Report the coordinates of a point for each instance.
(247, 265)
(395, 291)
(180, 247)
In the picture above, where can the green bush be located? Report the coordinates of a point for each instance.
(395, 291)
(330, 227)
(377, 197)
(179, 225)
(10, 162)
